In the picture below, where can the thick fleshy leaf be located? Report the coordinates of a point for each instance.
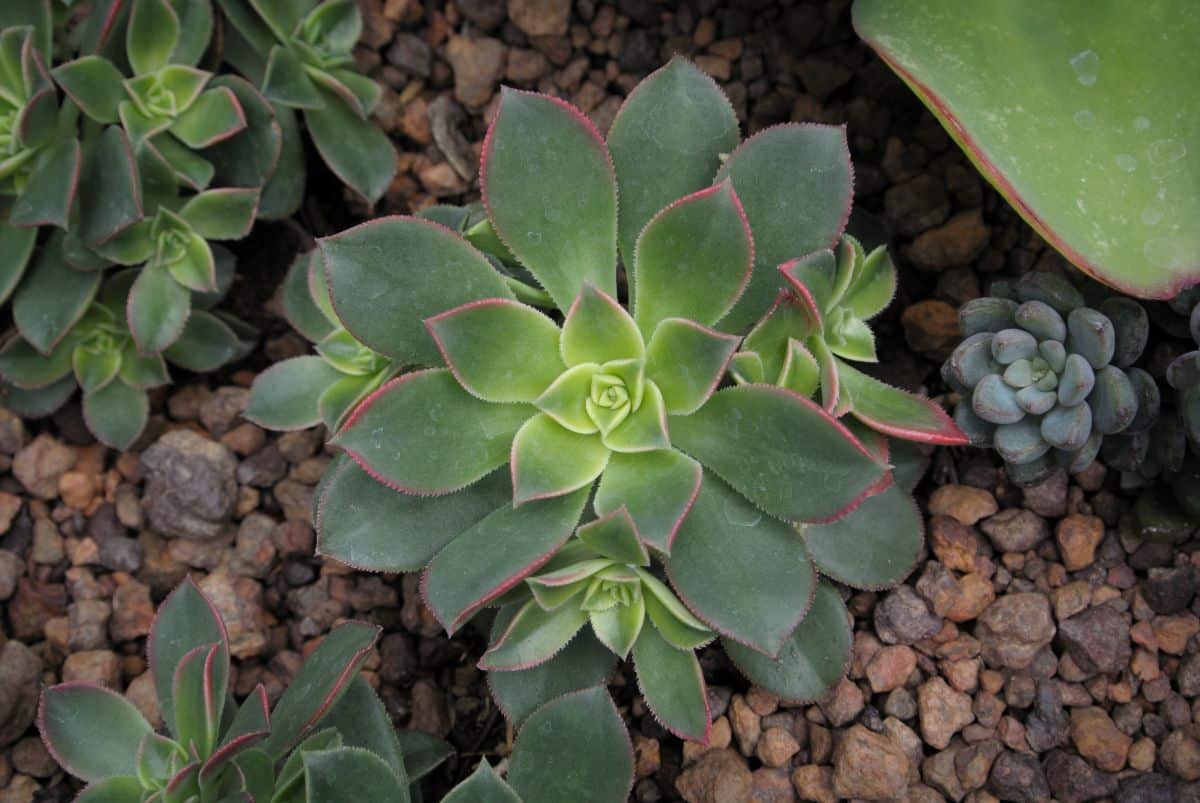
(687, 361)
(299, 306)
(195, 17)
(667, 141)
(206, 343)
(813, 280)
(198, 698)
(565, 400)
(356, 91)
(249, 726)
(796, 184)
(356, 150)
(286, 395)
(350, 775)
(91, 731)
(287, 82)
(183, 163)
(483, 786)
(344, 395)
(598, 329)
(16, 248)
(158, 309)
(658, 489)
(351, 504)
(185, 620)
(873, 285)
(151, 35)
(873, 546)
(1066, 99)
(215, 116)
(674, 621)
(110, 198)
(896, 413)
(52, 297)
(423, 752)
(361, 719)
(250, 158)
(22, 365)
(117, 789)
(584, 662)
(791, 317)
(800, 372)
(548, 460)
(618, 627)
(224, 214)
(495, 554)
(95, 84)
(284, 189)
(39, 402)
(35, 13)
(672, 685)
(142, 372)
(542, 157)
(319, 684)
(616, 537)
(534, 636)
(694, 259)
(645, 429)
(499, 350)
(49, 195)
(461, 440)
(573, 748)
(116, 413)
(389, 275)
(781, 451)
(812, 660)
(747, 575)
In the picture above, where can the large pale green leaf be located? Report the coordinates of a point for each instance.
(483, 786)
(747, 575)
(598, 329)
(351, 505)
(91, 731)
(387, 276)
(423, 434)
(694, 259)
(573, 748)
(673, 685)
(350, 775)
(895, 412)
(215, 116)
(873, 546)
(52, 297)
(1089, 131)
(499, 350)
(186, 619)
(356, 150)
(287, 395)
(812, 661)
(222, 214)
(667, 142)
(116, 413)
(781, 451)
(497, 553)
(657, 488)
(796, 184)
(551, 193)
(549, 460)
(687, 361)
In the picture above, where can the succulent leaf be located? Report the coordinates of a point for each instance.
(533, 636)
(986, 315)
(873, 546)
(598, 329)
(349, 774)
(92, 732)
(158, 309)
(615, 537)
(672, 684)
(52, 298)
(116, 413)
(897, 413)
(657, 488)
(286, 396)
(549, 460)
(1113, 401)
(16, 249)
(483, 786)
(686, 361)
(356, 151)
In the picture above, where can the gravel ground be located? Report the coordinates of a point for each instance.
(1041, 650)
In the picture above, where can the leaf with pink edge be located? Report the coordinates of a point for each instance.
(686, 361)
(781, 451)
(214, 117)
(222, 214)
(157, 310)
(91, 731)
(598, 329)
(356, 150)
(672, 685)
(116, 414)
(459, 439)
(541, 158)
(746, 575)
(483, 786)
(645, 429)
(496, 554)
(874, 546)
(896, 413)
(549, 461)
(800, 372)
(50, 193)
(287, 395)
(52, 297)
(565, 400)
(534, 635)
(657, 488)
(16, 249)
(151, 35)
(615, 537)
(499, 350)
(185, 619)
(796, 184)
(694, 259)
(199, 693)
(792, 317)
(94, 84)
(674, 621)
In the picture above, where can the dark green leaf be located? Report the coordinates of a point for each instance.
(205, 344)
(116, 413)
(158, 309)
(93, 732)
(285, 396)
(41, 402)
(95, 84)
(363, 722)
(185, 620)
(355, 150)
(250, 158)
(484, 786)
(873, 546)
(672, 685)
(109, 197)
(16, 247)
(52, 297)
(286, 82)
(50, 193)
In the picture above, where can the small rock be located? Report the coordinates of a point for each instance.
(1015, 530)
(1098, 740)
(409, 52)
(771, 785)
(746, 724)
(132, 612)
(1048, 726)
(295, 500)
(1078, 536)
(647, 756)
(957, 599)
(868, 766)
(890, 668)
(931, 328)
(144, 696)
(1172, 633)
(478, 66)
(844, 704)
(12, 432)
(916, 205)
(776, 747)
(1049, 497)
(815, 783)
(11, 568)
(1180, 755)
(719, 776)
(239, 602)
(956, 545)
(10, 505)
(1073, 780)
(963, 503)
(1150, 787)
(958, 241)
(540, 17)
(943, 712)
(191, 490)
(88, 624)
(48, 547)
(974, 763)
(1097, 639)
(1169, 591)
(102, 667)
(429, 712)
(30, 757)
(39, 465)
(904, 618)
(1014, 628)
(1018, 777)
(20, 684)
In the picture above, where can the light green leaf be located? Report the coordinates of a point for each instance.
(598, 329)
(895, 412)
(215, 116)
(185, 619)
(286, 395)
(541, 158)
(566, 399)
(615, 537)
(800, 372)
(158, 309)
(117, 789)
(533, 636)
(483, 786)
(687, 361)
(223, 214)
(645, 429)
(657, 488)
(873, 285)
(790, 318)
(94, 369)
(152, 34)
(199, 692)
(549, 461)
(672, 685)
(618, 627)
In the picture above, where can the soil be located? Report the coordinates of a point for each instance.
(1040, 650)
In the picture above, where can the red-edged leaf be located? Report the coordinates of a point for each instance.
(897, 413)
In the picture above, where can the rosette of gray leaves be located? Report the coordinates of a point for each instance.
(1043, 376)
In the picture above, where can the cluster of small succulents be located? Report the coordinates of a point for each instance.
(1045, 378)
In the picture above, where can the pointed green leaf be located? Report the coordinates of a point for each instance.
(565, 400)
(351, 504)
(195, 17)
(205, 344)
(790, 318)
(363, 722)
(358, 92)
(158, 309)
(344, 395)
(184, 164)
(250, 158)
(796, 184)
(853, 341)
(52, 298)
(23, 366)
(350, 775)
(800, 372)
(495, 554)
(384, 283)
(95, 84)
(285, 187)
(287, 82)
(94, 369)
(618, 627)
(694, 259)
(224, 214)
(598, 329)
(548, 460)
(215, 116)
(754, 592)
(355, 150)
(616, 537)
(152, 34)
(16, 247)
(109, 196)
(645, 429)
(286, 395)
(49, 195)
(533, 636)
(499, 350)
(483, 786)
(320, 683)
(686, 361)
(873, 286)
(545, 766)
(423, 752)
(117, 789)
(873, 546)
(667, 141)
(461, 439)
(91, 731)
(783, 452)
(812, 660)
(657, 488)
(299, 306)
(674, 621)
(896, 413)
(672, 685)
(195, 269)
(39, 402)
(185, 619)
(542, 156)
(198, 698)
